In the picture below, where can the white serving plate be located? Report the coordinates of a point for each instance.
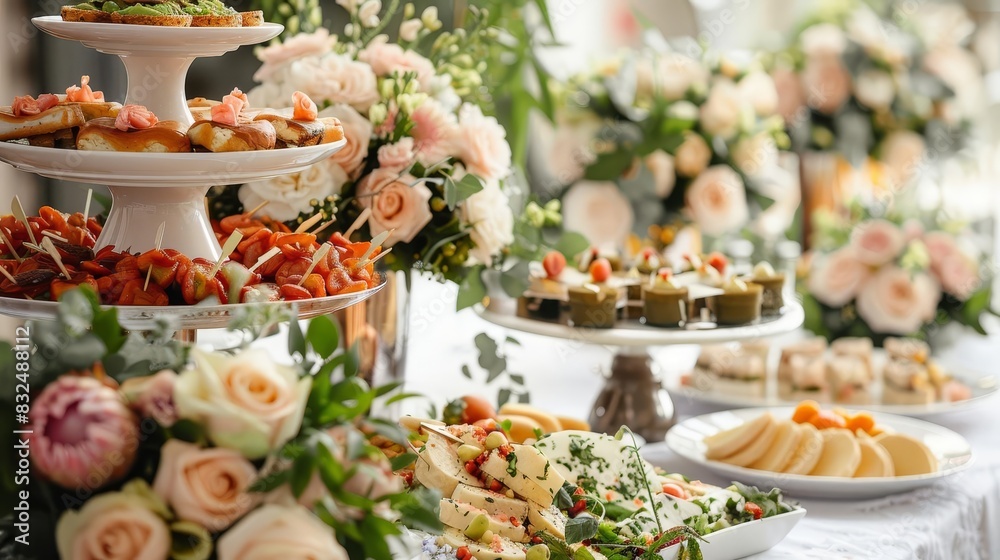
(952, 451)
(983, 386)
(745, 539)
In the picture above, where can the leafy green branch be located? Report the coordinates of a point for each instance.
(493, 360)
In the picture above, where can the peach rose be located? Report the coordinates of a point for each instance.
(903, 153)
(837, 278)
(357, 132)
(245, 402)
(482, 144)
(877, 242)
(275, 531)
(435, 131)
(207, 486)
(398, 156)
(716, 201)
(955, 270)
(759, 90)
(299, 46)
(599, 211)
(897, 302)
(756, 155)
(398, 203)
(693, 155)
(791, 97)
(827, 83)
(152, 396)
(113, 526)
(720, 114)
(661, 166)
(386, 58)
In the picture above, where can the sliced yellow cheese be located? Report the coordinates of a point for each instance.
(786, 442)
(438, 466)
(909, 455)
(757, 447)
(460, 514)
(875, 460)
(841, 454)
(493, 502)
(505, 549)
(548, 422)
(807, 455)
(729, 442)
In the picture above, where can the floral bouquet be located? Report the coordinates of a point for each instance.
(874, 276)
(147, 448)
(893, 81)
(681, 136)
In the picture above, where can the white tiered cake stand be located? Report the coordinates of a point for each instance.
(633, 394)
(152, 188)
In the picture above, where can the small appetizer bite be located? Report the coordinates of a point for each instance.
(91, 102)
(253, 18)
(732, 370)
(664, 302)
(304, 128)
(201, 108)
(136, 129)
(212, 13)
(772, 299)
(28, 117)
(739, 304)
(89, 12)
(593, 306)
(229, 131)
(811, 348)
(849, 380)
(860, 348)
(161, 14)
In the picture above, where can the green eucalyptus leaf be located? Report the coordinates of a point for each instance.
(296, 341)
(83, 352)
(271, 481)
(402, 461)
(466, 372)
(503, 397)
(571, 244)
(472, 290)
(323, 336)
(514, 281)
(302, 470)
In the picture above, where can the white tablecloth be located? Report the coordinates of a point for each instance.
(952, 520)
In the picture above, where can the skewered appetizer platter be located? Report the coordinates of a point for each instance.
(576, 494)
(170, 13)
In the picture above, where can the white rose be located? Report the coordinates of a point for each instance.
(837, 278)
(598, 211)
(338, 79)
(290, 195)
(875, 89)
(716, 201)
(896, 302)
(693, 155)
(357, 132)
(720, 115)
(661, 166)
(492, 220)
(961, 71)
(275, 531)
(409, 29)
(903, 154)
(823, 39)
(758, 89)
(669, 76)
(245, 402)
(368, 13)
(756, 155)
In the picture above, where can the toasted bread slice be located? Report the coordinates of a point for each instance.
(156, 21)
(253, 18)
(69, 13)
(53, 120)
(227, 20)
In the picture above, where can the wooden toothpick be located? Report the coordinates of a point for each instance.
(159, 243)
(376, 242)
(323, 226)
(256, 209)
(18, 210)
(55, 236)
(318, 256)
(86, 208)
(10, 246)
(362, 218)
(378, 256)
(54, 253)
(8, 275)
(227, 250)
(304, 226)
(265, 257)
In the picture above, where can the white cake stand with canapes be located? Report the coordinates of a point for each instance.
(633, 394)
(149, 189)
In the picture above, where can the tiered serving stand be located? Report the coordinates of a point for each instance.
(633, 394)
(152, 188)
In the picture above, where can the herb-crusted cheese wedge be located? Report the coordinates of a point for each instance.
(439, 467)
(549, 519)
(460, 514)
(497, 549)
(527, 472)
(494, 503)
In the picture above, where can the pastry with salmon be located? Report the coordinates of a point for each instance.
(91, 102)
(304, 127)
(228, 130)
(28, 117)
(136, 129)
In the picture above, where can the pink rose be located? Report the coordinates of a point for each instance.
(207, 486)
(357, 132)
(339, 79)
(837, 278)
(435, 131)
(897, 302)
(661, 167)
(299, 46)
(716, 201)
(956, 271)
(693, 155)
(903, 153)
(386, 58)
(152, 396)
(877, 242)
(398, 156)
(759, 90)
(599, 211)
(720, 114)
(482, 144)
(827, 83)
(113, 526)
(275, 531)
(791, 97)
(395, 205)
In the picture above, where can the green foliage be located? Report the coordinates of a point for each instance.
(493, 363)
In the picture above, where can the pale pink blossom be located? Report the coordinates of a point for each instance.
(693, 155)
(276, 531)
(716, 201)
(152, 396)
(957, 272)
(895, 301)
(791, 96)
(599, 211)
(823, 40)
(827, 83)
(398, 156)
(339, 79)
(877, 242)
(83, 435)
(903, 153)
(669, 76)
(357, 132)
(482, 143)
(661, 167)
(760, 92)
(720, 114)
(398, 203)
(435, 131)
(838, 277)
(113, 526)
(302, 45)
(386, 58)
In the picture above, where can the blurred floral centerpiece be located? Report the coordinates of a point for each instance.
(883, 276)
(682, 134)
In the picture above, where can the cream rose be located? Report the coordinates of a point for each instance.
(721, 112)
(897, 302)
(693, 155)
(386, 58)
(492, 220)
(207, 486)
(877, 242)
(823, 40)
(113, 526)
(398, 156)
(716, 201)
(903, 154)
(339, 79)
(290, 195)
(245, 402)
(435, 133)
(827, 83)
(759, 90)
(957, 272)
(298, 46)
(837, 278)
(398, 203)
(357, 132)
(875, 89)
(756, 155)
(482, 144)
(669, 76)
(599, 211)
(275, 531)
(661, 166)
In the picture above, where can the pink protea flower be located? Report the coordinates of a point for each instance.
(83, 434)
